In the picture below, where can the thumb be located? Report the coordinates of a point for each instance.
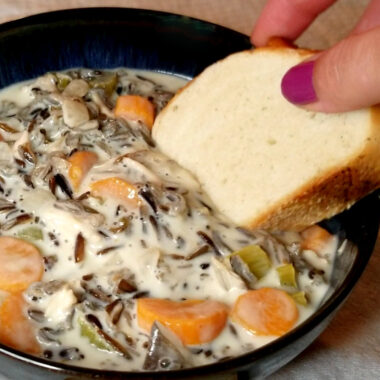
(343, 78)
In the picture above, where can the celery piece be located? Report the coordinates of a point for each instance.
(90, 332)
(287, 275)
(100, 338)
(256, 259)
(106, 82)
(30, 234)
(300, 298)
(62, 82)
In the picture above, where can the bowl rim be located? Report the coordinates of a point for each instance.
(33, 19)
(235, 363)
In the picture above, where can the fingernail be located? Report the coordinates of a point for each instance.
(297, 84)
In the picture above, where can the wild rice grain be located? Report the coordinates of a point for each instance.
(79, 248)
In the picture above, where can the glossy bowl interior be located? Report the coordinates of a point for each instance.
(107, 38)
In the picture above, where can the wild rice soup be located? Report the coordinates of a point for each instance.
(111, 256)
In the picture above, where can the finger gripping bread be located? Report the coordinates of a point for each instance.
(263, 161)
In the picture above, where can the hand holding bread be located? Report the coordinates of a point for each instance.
(264, 161)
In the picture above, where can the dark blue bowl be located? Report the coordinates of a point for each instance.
(113, 37)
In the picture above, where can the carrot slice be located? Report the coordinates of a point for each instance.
(265, 311)
(116, 188)
(80, 164)
(315, 238)
(193, 321)
(20, 264)
(135, 107)
(15, 329)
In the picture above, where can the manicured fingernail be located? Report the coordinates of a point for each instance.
(297, 84)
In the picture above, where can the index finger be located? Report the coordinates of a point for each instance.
(286, 18)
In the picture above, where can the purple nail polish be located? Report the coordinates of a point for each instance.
(297, 84)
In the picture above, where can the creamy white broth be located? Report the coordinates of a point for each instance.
(152, 252)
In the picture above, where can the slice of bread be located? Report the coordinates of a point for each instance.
(263, 161)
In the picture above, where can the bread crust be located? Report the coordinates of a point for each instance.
(330, 194)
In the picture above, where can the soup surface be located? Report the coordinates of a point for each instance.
(112, 257)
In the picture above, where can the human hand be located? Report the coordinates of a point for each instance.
(342, 78)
